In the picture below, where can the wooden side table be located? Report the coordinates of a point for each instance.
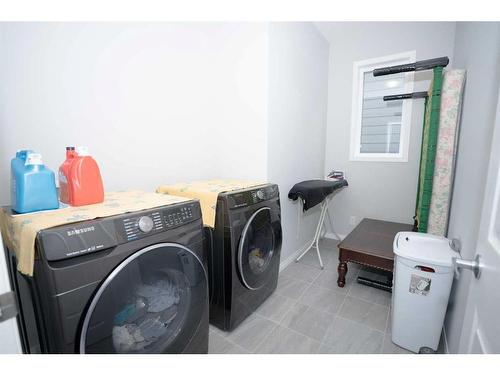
(369, 244)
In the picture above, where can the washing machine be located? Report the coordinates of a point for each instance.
(244, 253)
(130, 283)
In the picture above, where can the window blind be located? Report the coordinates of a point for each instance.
(381, 121)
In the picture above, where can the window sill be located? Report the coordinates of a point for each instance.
(379, 158)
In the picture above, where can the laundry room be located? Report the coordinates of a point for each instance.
(239, 187)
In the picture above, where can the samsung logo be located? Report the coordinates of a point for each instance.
(80, 231)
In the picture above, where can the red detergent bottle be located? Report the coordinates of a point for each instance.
(80, 179)
(64, 188)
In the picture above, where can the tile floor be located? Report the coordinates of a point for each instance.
(308, 313)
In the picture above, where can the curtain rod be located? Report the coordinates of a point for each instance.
(412, 67)
(413, 95)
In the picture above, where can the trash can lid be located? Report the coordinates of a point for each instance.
(425, 248)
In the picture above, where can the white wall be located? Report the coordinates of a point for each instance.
(298, 73)
(156, 103)
(477, 49)
(379, 190)
(161, 103)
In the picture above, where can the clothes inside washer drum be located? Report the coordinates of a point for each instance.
(313, 192)
(144, 321)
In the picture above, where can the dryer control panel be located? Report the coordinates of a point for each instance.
(252, 196)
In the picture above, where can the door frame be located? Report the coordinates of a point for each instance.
(490, 204)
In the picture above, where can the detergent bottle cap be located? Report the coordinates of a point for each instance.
(22, 153)
(82, 151)
(34, 159)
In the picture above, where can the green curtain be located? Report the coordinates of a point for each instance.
(428, 151)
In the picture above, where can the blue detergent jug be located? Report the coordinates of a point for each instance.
(33, 186)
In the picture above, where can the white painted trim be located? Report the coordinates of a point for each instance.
(332, 236)
(359, 68)
(286, 262)
(446, 347)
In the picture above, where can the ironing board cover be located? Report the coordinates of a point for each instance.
(313, 192)
(428, 151)
(451, 99)
(207, 192)
(20, 231)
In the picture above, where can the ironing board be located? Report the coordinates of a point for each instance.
(430, 134)
(444, 169)
(312, 193)
(428, 152)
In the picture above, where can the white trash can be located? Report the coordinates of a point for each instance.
(423, 274)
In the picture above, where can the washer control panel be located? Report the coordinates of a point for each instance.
(138, 225)
(142, 224)
(182, 215)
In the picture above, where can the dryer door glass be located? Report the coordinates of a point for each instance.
(153, 302)
(256, 249)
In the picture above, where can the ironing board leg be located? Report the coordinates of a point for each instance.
(317, 234)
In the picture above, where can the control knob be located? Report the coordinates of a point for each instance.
(260, 194)
(145, 224)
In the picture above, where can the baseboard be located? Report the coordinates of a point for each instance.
(286, 262)
(446, 348)
(334, 237)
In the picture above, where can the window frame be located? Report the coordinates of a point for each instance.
(359, 69)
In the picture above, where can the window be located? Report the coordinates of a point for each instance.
(380, 131)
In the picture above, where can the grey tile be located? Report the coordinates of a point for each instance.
(370, 294)
(218, 331)
(291, 288)
(370, 314)
(328, 279)
(329, 254)
(218, 344)
(301, 272)
(322, 299)
(308, 321)
(353, 269)
(251, 332)
(235, 349)
(346, 336)
(388, 328)
(391, 348)
(330, 243)
(285, 341)
(275, 307)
